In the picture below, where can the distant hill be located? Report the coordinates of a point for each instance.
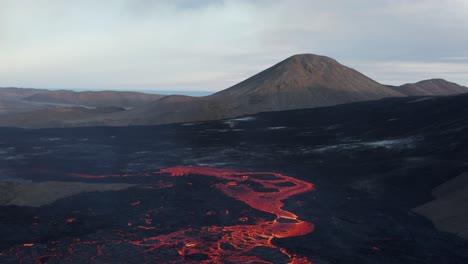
(430, 88)
(94, 98)
(22, 100)
(19, 93)
(11, 100)
(55, 117)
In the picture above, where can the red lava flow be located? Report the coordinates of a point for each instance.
(230, 243)
(245, 237)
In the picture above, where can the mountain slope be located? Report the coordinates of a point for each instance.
(431, 87)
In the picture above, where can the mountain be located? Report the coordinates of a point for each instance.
(431, 87)
(300, 81)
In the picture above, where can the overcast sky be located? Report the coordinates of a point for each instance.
(213, 44)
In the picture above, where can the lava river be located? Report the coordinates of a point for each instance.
(212, 244)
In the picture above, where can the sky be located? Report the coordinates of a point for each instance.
(209, 45)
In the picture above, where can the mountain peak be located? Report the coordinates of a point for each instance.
(435, 81)
(309, 58)
(310, 64)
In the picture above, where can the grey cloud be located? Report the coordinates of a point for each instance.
(211, 44)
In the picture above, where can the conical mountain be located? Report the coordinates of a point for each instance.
(302, 81)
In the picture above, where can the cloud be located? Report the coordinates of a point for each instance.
(212, 44)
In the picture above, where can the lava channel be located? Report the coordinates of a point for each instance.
(244, 238)
(226, 244)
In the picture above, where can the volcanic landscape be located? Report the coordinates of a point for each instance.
(351, 183)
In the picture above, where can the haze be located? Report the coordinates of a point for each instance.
(210, 45)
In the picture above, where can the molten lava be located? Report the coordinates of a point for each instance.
(245, 237)
(264, 191)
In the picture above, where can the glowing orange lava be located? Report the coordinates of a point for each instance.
(264, 191)
(245, 237)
